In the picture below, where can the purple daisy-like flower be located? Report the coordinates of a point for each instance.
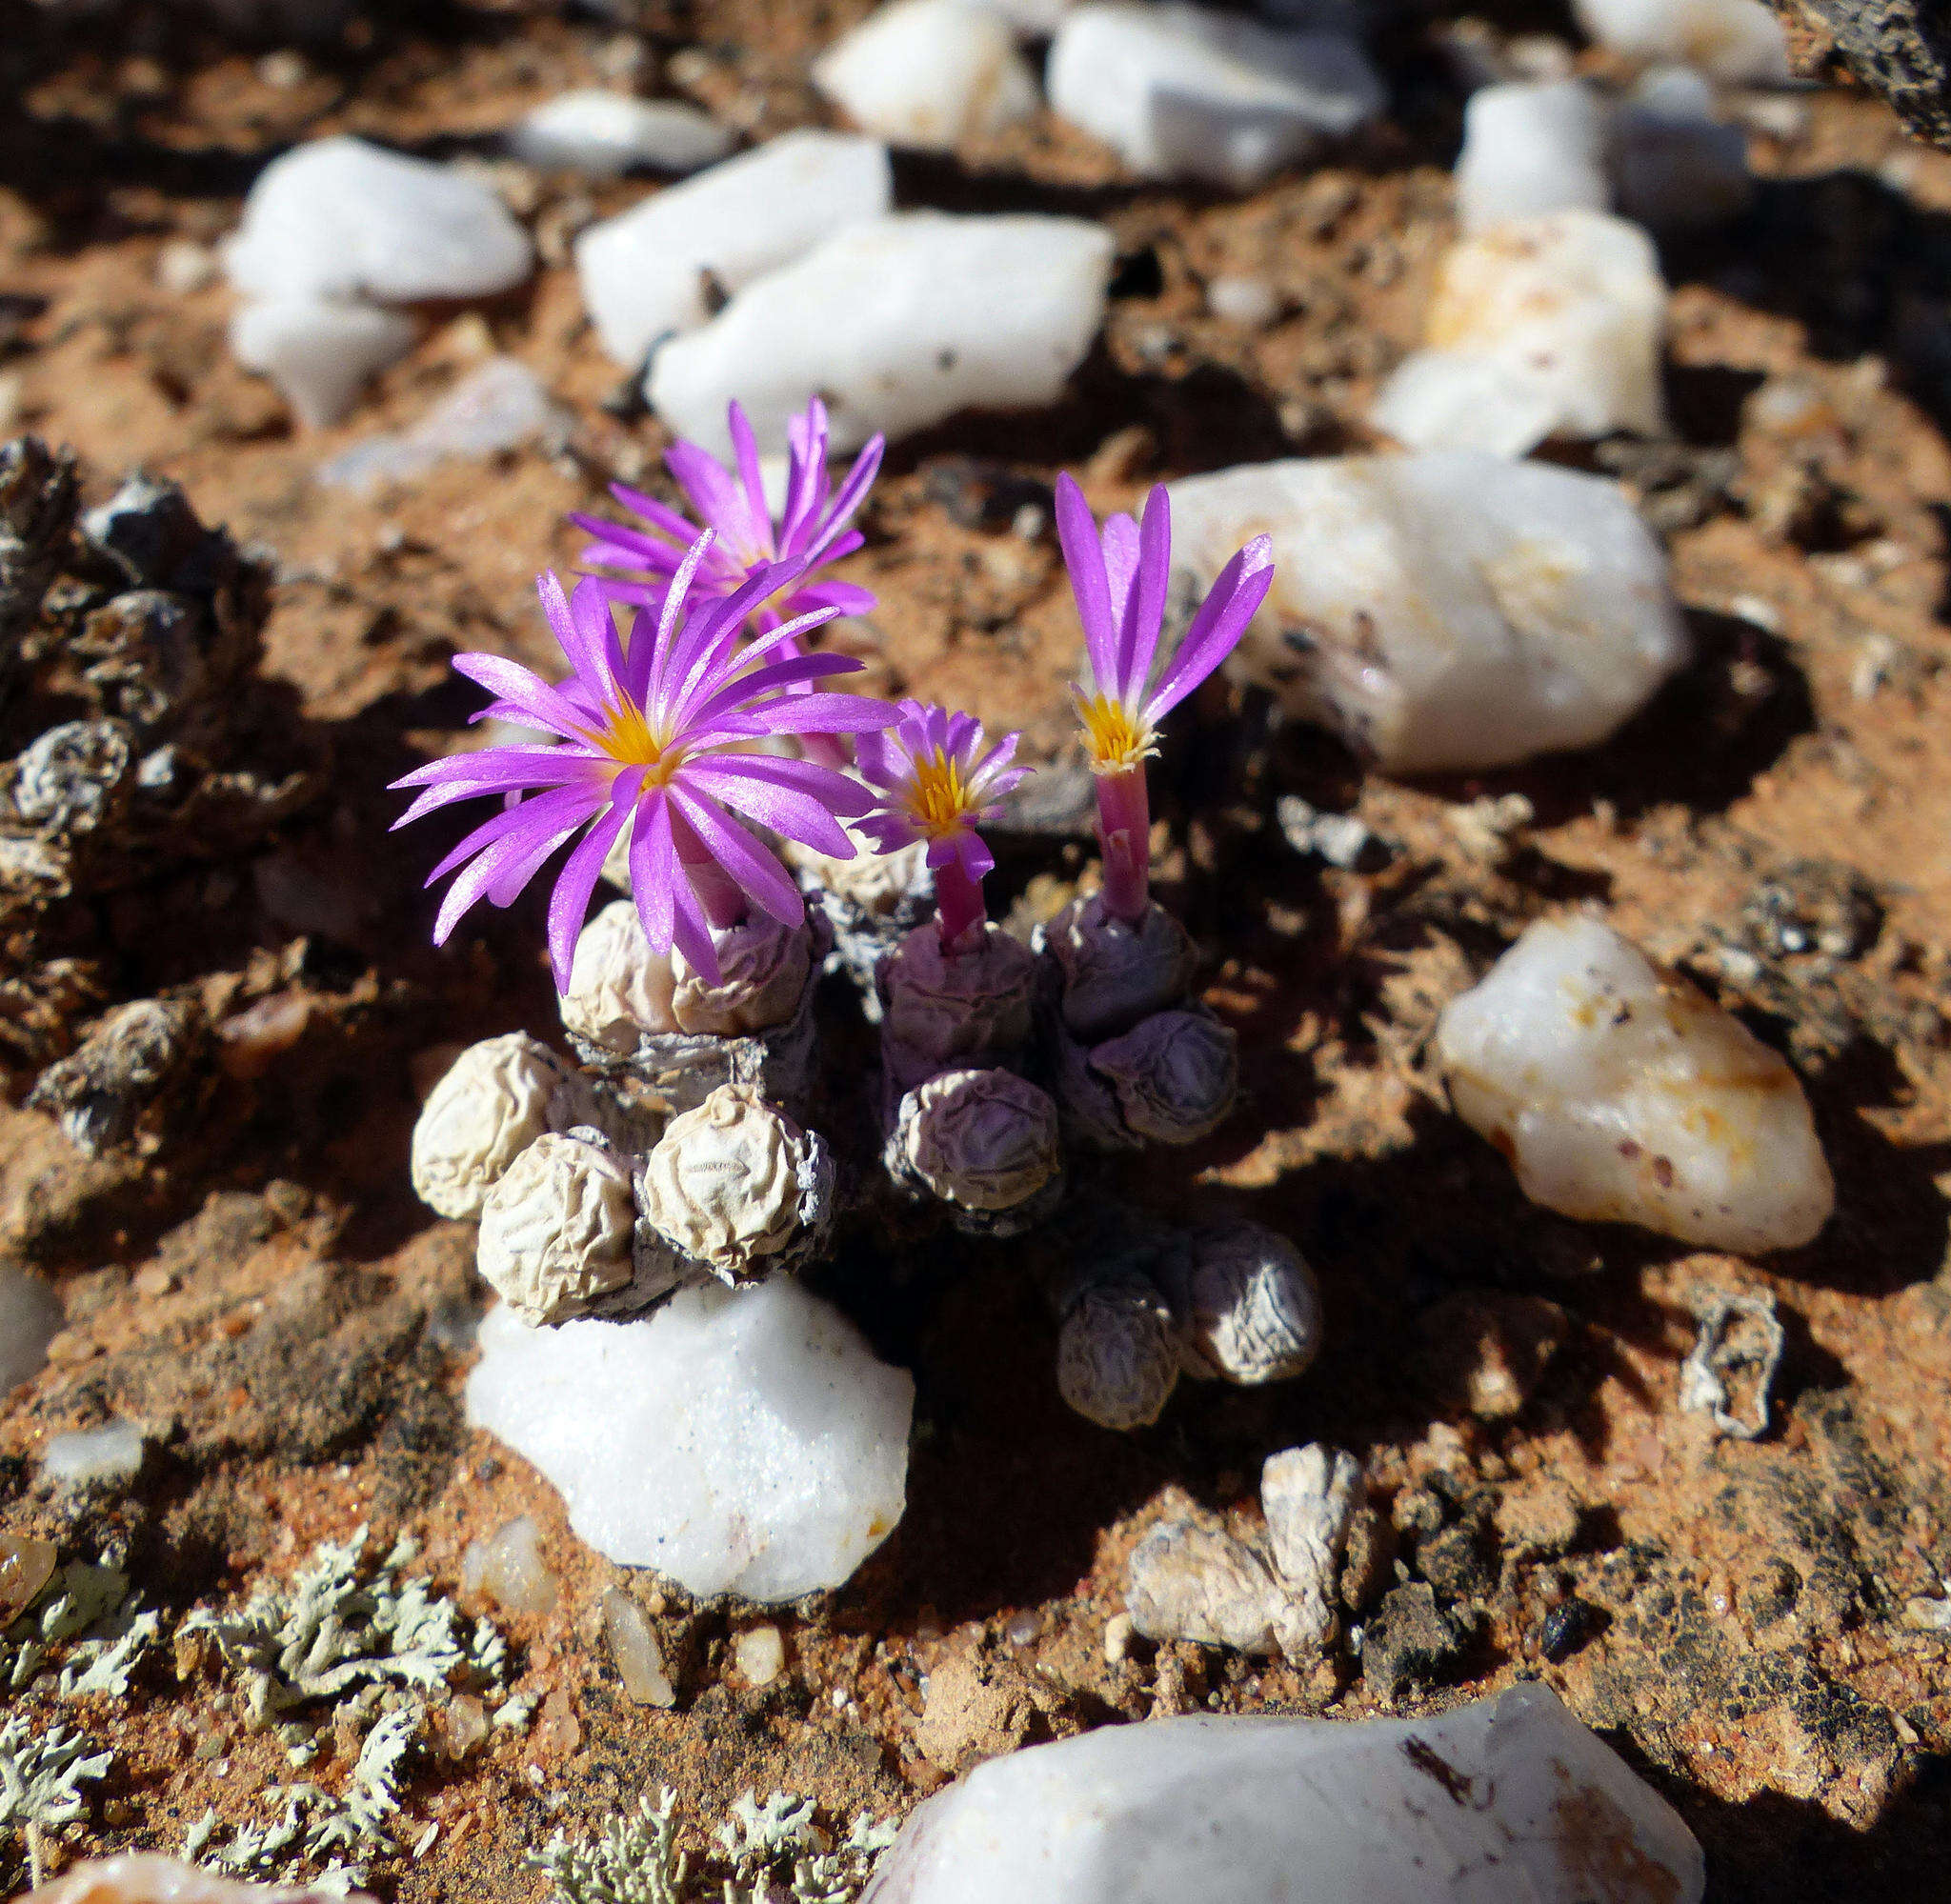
(1120, 581)
(936, 780)
(655, 735)
(814, 526)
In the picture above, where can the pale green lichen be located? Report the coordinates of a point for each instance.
(369, 1652)
(41, 1776)
(764, 1847)
(86, 1615)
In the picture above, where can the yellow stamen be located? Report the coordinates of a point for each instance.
(1114, 741)
(941, 798)
(626, 739)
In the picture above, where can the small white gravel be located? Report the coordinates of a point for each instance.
(929, 73)
(602, 133)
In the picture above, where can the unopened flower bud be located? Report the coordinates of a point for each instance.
(764, 968)
(1116, 1363)
(1116, 971)
(983, 1141)
(1174, 1074)
(954, 1007)
(497, 1099)
(1246, 1304)
(737, 1186)
(619, 989)
(557, 1229)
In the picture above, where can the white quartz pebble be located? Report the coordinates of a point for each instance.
(1677, 167)
(1622, 1094)
(498, 406)
(1536, 327)
(147, 1877)
(644, 272)
(340, 219)
(1443, 611)
(30, 1318)
(1737, 42)
(1180, 92)
(1507, 1798)
(929, 73)
(603, 134)
(94, 1457)
(897, 324)
(508, 1566)
(743, 1442)
(1531, 147)
(320, 354)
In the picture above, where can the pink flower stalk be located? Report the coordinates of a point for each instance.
(935, 782)
(813, 530)
(1119, 584)
(653, 736)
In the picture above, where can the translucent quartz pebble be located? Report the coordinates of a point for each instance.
(1621, 1093)
(1550, 325)
(1737, 42)
(341, 219)
(744, 1442)
(1531, 147)
(1182, 92)
(929, 73)
(898, 324)
(646, 272)
(603, 134)
(320, 353)
(146, 1878)
(1446, 610)
(1507, 1798)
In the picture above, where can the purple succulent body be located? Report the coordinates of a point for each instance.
(657, 735)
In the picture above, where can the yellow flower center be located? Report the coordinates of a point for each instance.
(1114, 740)
(941, 796)
(627, 740)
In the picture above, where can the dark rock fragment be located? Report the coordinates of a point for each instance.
(1409, 1642)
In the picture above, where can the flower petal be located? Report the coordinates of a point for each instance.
(1077, 534)
(509, 681)
(1144, 611)
(758, 874)
(1232, 601)
(568, 904)
(564, 810)
(793, 811)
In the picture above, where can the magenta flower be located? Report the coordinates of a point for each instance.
(1119, 584)
(935, 782)
(813, 529)
(653, 736)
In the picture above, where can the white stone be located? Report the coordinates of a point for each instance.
(1033, 19)
(1737, 42)
(897, 324)
(1678, 168)
(634, 1646)
(603, 134)
(498, 406)
(147, 1877)
(184, 268)
(339, 219)
(741, 1442)
(762, 1654)
(91, 1457)
(1621, 1093)
(1183, 92)
(1507, 1798)
(30, 1318)
(1251, 302)
(643, 273)
(1445, 611)
(1531, 147)
(929, 73)
(320, 354)
(1538, 326)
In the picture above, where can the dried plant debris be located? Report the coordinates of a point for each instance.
(138, 735)
(775, 1853)
(341, 1645)
(1731, 1367)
